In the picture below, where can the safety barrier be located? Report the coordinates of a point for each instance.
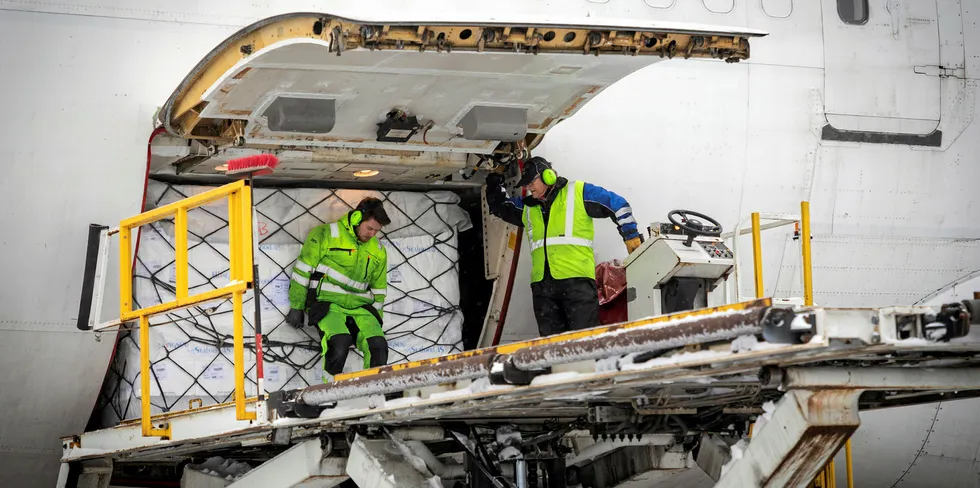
(240, 264)
(828, 477)
(192, 348)
(240, 270)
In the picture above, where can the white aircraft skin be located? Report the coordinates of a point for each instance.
(892, 223)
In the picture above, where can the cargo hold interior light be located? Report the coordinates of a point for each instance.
(364, 173)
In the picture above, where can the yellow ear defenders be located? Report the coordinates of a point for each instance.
(355, 217)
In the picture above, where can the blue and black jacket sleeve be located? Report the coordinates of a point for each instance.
(502, 205)
(602, 203)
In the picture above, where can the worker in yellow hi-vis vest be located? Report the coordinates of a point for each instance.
(340, 282)
(557, 219)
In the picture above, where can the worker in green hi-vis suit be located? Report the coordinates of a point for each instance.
(340, 282)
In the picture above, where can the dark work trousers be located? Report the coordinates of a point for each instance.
(564, 305)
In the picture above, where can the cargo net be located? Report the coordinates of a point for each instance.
(192, 350)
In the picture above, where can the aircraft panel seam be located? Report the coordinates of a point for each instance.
(923, 447)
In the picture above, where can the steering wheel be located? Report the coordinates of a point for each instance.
(694, 227)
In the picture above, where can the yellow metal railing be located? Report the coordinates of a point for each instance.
(828, 476)
(240, 273)
(757, 228)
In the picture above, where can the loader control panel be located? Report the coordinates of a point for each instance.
(664, 228)
(716, 249)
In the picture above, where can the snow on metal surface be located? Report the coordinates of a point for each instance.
(395, 381)
(402, 402)
(737, 451)
(675, 359)
(767, 409)
(744, 343)
(479, 386)
(749, 343)
(227, 469)
(673, 333)
(548, 379)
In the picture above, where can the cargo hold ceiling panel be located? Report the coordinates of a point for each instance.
(422, 95)
(363, 86)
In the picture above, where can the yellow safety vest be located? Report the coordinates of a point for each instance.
(566, 240)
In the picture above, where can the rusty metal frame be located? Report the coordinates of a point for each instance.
(201, 429)
(807, 429)
(817, 417)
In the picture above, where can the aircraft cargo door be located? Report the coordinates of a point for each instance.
(881, 61)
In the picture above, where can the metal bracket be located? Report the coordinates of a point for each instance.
(288, 404)
(503, 372)
(605, 415)
(780, 326)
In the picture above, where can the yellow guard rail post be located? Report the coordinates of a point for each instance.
(807, 259)
(827, 477)
(240, 273)
(757, 254)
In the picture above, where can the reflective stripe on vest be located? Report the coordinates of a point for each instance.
(341, 278)
(332, 288)
(302, 280)
(561, 241)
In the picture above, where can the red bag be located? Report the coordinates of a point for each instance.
(610, 279)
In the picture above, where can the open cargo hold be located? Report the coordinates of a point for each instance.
(191, 350)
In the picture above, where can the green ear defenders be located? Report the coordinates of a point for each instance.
(368, 204)
(549, 177)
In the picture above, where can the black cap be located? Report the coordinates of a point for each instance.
(532, 168)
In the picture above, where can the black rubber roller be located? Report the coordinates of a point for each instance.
(973, 306)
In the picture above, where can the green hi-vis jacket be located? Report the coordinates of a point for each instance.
(345, 271)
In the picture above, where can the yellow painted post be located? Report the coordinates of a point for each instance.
(234, 227)
(180, 250)
(245, 202)
(146, 417)
(145, 374)
(757, 254)
(238, 273)
(239, 356)
(125, 272)
(849, 465)
(807, 260)
(832, 474)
